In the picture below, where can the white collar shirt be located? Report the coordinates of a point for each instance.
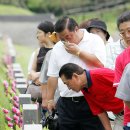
(90, 43)
(112, 51)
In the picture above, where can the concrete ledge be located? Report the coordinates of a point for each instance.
(20, 81)
(18, 75)
(17, 70)
(16, 65)
(33, 127)
(30, 114)
(22, 88)
(24, 99)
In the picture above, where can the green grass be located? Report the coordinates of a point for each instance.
(23, 54)
(108, 15)
(3, 99)
(12, 10)
(23, 57)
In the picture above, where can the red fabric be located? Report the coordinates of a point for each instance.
(101, 95)
(122, 60)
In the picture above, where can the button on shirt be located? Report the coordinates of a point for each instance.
(90, 43)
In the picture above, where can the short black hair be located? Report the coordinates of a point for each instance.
(68, 69)
(46, 27)
(123, 18)
(65, 22)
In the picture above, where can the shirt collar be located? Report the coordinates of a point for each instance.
(122, 44)
(85, 35)
(89, 81)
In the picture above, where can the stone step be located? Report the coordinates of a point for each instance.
(16, 65)
(24, 99)
(33, 127)
(22, 88)
(20, 81)
(18, 75)
(17, 70)
(30, 114)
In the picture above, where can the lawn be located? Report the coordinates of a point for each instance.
(23, 54)
(4, 101)
(12, 10)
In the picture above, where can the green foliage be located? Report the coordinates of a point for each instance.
(57, 6)
(12, 10)
(108, 15)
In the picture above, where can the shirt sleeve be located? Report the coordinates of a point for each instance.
(99, 50)
(110, 63)
(53, 69)
(118, 72)
(43, 75)
(123, 90)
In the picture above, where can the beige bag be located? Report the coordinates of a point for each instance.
(35, 91)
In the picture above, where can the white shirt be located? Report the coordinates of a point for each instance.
(112, 51)
(110, 40)
(59, 56)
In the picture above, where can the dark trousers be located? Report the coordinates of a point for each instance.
(126, 128)
(75, 114)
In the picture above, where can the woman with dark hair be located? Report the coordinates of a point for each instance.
(44, 30)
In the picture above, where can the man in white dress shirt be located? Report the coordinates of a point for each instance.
(86, 50)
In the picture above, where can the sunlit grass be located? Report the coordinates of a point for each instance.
(3, 99)
(23, 54)
(12, 10)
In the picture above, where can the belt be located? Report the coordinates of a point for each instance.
(74, 99)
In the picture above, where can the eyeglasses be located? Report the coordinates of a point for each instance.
(125, 33)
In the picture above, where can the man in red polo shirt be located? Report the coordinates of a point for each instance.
(123, 59)
(97, 87)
